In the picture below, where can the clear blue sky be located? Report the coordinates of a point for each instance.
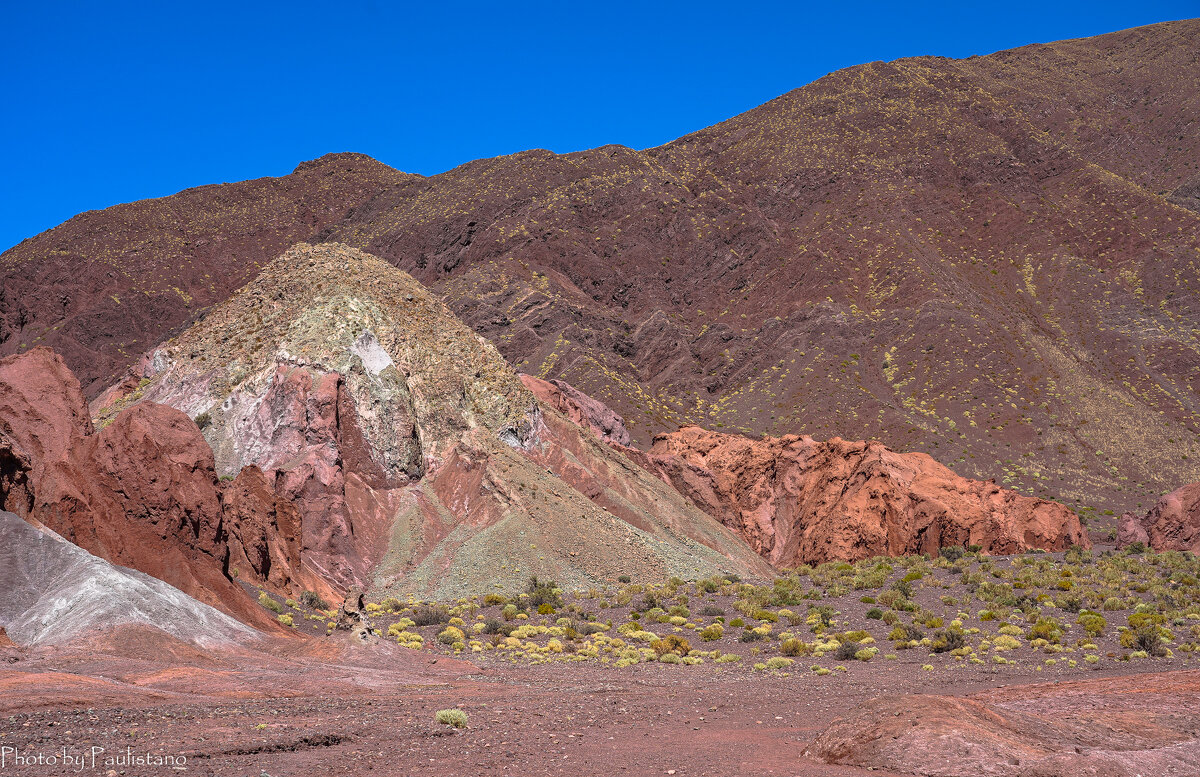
(108, 102)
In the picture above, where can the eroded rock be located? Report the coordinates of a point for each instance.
(800, 501)
(1172, 524)
(580, 408)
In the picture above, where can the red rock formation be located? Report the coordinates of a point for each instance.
(798, 501)
(579, 407)
(142, 492)
(264, 535)
(42, 417)
(1172, 524)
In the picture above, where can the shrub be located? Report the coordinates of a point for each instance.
(1147, 638)
(1005, 642)
(750, 635)
(454, 717)
(737, 623)
(450, 635)
(948, 639)
(1071, 603)
(793, 647)
(866, 654)
(509, 612)
(545, 608)
(846, 651)
(953, 552)
(408, 639)
(1047, 629)
(904, 633)
(711, 611)
(822, 616)
(543, 592)
(430, 615)
(1093, 623)
(203, 420)
(875, 614)
(497, 626)
(778, 662)
(266, 601)
(671, 644)
(313, 600)
(626, 579)
(712, 633)
(286, 619)
(492, 600)
(766, 616)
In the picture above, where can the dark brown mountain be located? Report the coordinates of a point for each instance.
(992, 260)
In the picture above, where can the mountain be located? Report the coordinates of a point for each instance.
(413, 456)
(993, 261)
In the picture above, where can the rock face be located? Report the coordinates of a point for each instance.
(56, 592)
(1172, 524)
(142, 492)
(396, 449)
(798, 501)
(1109, 727)
(580, 408)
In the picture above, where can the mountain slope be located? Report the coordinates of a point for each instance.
(978, 259)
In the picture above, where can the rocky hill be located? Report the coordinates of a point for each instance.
(416, 460)
(992, 260)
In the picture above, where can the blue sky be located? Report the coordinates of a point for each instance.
(118, 101)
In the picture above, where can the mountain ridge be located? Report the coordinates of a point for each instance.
(958, 257)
